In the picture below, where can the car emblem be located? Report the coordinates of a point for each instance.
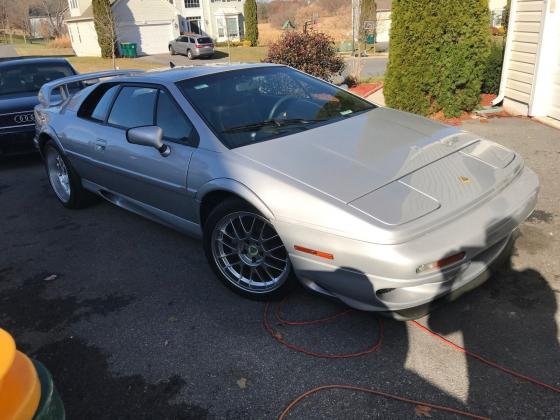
(464, 180)
(24, 118)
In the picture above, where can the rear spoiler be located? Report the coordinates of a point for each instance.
(56, 92)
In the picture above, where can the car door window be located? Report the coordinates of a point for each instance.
(184, 39)
(134, 107)
(191, 40)
(172, 120)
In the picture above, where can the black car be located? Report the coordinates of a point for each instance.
(20, 81)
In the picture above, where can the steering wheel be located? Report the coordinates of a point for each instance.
(277, 105)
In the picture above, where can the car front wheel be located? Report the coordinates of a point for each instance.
(246, 252)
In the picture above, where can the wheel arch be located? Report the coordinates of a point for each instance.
(216, 191)
(44, 137)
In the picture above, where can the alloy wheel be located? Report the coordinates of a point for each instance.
(249, 252)
(58, 175)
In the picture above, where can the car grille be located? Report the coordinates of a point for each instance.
(17, 119)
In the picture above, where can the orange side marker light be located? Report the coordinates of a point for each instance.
(315, 252)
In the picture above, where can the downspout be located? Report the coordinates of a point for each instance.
(507, 53)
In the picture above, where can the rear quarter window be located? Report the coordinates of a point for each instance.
(97, 104)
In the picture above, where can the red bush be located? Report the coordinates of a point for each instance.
(313, 53)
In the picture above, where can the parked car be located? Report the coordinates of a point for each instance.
(20, 81)
(193, 46)
(286, 177)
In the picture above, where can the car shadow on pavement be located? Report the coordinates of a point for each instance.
(509, 320)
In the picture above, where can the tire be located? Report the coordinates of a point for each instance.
(64, 180)
(172, 50)
(246, 253)
(189, 55)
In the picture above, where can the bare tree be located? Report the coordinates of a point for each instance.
(55, 11)
(14, 15)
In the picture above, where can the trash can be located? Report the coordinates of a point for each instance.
(132, 50)
(126, 49)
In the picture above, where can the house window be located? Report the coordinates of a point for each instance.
(232, 26)
(73, 4)
(192, 3)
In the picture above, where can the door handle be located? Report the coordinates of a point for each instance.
(100, 145)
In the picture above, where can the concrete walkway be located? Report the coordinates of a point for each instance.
(377, 98)
(7, 51)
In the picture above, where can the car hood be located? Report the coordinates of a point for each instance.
(353, 157)
(16, 103)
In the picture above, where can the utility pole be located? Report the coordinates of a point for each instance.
(353, 25)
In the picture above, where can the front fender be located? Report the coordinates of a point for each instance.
(237, 188)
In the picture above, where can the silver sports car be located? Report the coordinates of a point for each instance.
(286, 177)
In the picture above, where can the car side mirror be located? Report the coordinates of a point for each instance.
(151, 136)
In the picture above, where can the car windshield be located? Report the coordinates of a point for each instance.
(28, 78)
(257, 104)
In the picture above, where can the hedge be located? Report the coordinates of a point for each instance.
(438, 55)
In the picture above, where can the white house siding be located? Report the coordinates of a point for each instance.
(151, 24)
(84, 38)
(383, 25)
(525, 32)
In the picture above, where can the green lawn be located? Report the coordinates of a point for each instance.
(83, 64)
(89, 64)
(243, 54)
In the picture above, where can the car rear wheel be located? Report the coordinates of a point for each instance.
(246, 252)
(64, 181)
(189, 54)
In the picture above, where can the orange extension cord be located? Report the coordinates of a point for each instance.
(279, 338)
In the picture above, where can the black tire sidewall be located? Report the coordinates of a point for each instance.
(221, 210)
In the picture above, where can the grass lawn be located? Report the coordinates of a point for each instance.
(243, 54)
(83, 64)
(90, 64)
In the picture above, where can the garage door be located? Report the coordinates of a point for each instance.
(152, 38)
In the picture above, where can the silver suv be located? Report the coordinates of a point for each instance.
(192, 46)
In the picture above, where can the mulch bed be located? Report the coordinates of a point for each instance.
(366, 89)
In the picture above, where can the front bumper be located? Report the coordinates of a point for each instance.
(17, 142)
(376, 277)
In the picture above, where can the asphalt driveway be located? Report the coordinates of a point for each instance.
(132, 324)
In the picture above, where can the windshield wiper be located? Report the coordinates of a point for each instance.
(271, 123)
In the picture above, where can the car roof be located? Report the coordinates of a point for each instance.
(181, 73)
(33, 61)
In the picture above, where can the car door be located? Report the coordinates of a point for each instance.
(138, 173)
(184, 44)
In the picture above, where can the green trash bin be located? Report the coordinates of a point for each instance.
(132, 49)
(129, 49)
(50, 405)
(124, 49)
